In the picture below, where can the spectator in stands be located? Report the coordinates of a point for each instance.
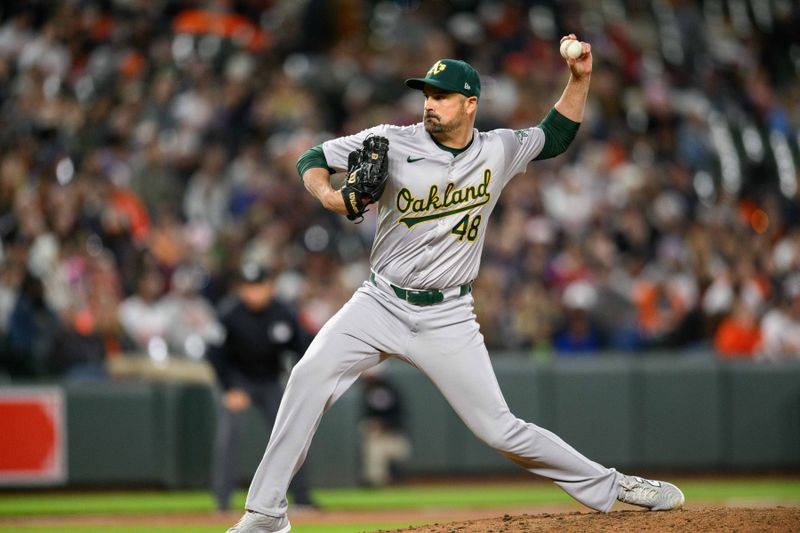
(739, 334)
(10, 280)
(80, 352)
(578, 333)
(145, 316)
(32, 329)
(662, 308)
(11, 275)
(780, 328)
(686, 166)
(192, 326)
(207, 194)
(616, 314)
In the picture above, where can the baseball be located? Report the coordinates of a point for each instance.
(571, 49)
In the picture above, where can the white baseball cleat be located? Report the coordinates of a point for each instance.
(253, 522)
(655, 495)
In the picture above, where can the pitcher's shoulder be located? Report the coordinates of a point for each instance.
(507, 135)
(495, 133)
(408, 132)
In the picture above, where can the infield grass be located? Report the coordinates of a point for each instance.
(16, 507)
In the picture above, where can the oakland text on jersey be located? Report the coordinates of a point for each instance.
(451, 197)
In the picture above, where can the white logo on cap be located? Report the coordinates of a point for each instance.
(466, 86)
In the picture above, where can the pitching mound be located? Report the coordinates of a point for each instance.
(777, 520)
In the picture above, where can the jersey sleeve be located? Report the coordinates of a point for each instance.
(337, 150)
(520, 147)
(312, 158)
(559, 132)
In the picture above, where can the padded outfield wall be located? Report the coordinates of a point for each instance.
(650, 413)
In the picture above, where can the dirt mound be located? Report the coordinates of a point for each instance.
(556, 518)
(742, 520)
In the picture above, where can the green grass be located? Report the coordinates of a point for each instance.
(44, 504)
(40, 504)
(763, 490)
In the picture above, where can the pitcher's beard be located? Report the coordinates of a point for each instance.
(435, 125)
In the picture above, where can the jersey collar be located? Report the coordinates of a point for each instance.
(454, 151)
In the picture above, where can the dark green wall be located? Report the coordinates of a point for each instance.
(649, 413)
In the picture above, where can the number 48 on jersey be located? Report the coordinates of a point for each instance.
(465, 228)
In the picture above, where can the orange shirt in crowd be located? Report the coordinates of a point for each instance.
(737, 339)
(135, 211)
(660, 310)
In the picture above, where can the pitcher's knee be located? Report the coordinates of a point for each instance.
(497, 442)
(509, 437)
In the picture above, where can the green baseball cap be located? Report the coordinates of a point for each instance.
(450, 75)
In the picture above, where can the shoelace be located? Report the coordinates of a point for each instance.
(638, 493)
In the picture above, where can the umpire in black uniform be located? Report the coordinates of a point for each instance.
(259, 331)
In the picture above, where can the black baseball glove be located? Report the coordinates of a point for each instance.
(367, 172)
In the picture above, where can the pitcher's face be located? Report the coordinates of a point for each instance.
(444, 111)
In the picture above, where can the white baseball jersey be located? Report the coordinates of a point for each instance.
(431, 227)
(433, 213)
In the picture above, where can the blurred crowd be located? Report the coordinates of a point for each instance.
(148, 147)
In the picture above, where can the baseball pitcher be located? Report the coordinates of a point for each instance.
(435, 184)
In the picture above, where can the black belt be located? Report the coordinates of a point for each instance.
(423, 297)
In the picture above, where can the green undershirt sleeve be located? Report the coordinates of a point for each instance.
(559, 131)
(313, 158)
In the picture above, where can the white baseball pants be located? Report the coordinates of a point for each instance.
(444, 342)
